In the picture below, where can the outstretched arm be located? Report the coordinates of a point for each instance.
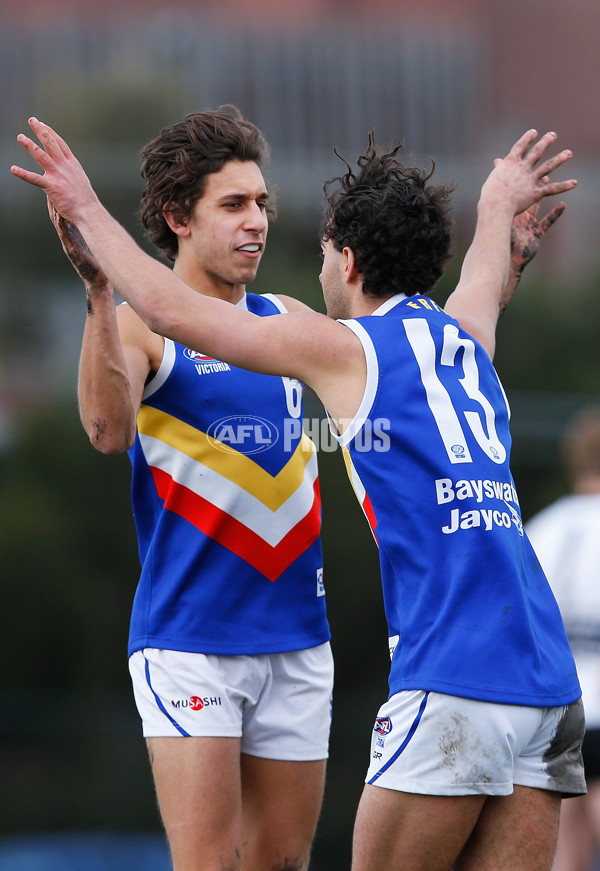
(302, 344)
(489, 276)
(114, 360)
(309, 346)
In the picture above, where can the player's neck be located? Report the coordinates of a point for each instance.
(362, 304)
(208, 285)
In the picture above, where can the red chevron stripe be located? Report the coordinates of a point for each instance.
(221, 527)
(370, 514)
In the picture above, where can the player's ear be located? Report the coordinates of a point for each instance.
(350, 271)
(176, 222)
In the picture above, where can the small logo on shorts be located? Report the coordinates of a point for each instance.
(383, 725)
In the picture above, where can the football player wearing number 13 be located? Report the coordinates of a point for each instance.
(480, 736)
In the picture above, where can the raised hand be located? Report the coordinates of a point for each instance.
(526, 234)
(63, 179)
(522, 178)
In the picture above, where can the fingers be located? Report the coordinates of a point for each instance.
(522, 145)
(531, 152)
(33, 178)
(558, 187)
(50, 138)
(54, 147)
(40, 157)
(552, 216)
(540, 147)
(553, 163)
(52, 142)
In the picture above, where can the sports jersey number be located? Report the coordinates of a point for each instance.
(440, 402)
(293, 396)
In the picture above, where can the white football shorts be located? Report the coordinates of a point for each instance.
(279, 704)
(435, 744)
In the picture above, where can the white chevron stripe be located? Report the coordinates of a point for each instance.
(271, 526)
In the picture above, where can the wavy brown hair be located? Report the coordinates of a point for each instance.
(176, 163)
(397, 224)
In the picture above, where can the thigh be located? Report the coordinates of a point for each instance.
(514, 831)
(576, 846)
(198, 787)
(281, 803)
(412, 832)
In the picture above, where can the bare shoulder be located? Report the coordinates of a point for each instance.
(330, 360)
(292, 304)
(136, 335)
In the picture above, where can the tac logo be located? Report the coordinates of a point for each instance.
(383, 725)
(245, 434)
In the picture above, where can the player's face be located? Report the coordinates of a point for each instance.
(228, 225)
(332, 281)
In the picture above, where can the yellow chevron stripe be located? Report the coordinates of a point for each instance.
(351, 473)
(238, 468)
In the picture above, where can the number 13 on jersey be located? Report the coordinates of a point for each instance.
(448, 417)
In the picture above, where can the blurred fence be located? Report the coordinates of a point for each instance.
(309, 89)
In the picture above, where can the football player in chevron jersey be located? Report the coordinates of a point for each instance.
(229, 642)
(480, 736)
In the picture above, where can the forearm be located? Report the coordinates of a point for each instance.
(106, 407)
(476, 302)
(158, 296)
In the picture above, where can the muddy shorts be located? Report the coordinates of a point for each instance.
(435, 744)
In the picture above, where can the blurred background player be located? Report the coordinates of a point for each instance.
(566, 538)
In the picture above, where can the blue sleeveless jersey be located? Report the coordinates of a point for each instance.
(227, 508)
(469, 610)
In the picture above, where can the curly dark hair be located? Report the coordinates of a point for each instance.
(176, 163)
(397, 225)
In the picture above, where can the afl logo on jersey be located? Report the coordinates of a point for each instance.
(205, 365)
(245, 434)
(196, 356)
(383, 725)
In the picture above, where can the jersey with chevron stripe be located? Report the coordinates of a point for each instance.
(227, 507)
(469, 610)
